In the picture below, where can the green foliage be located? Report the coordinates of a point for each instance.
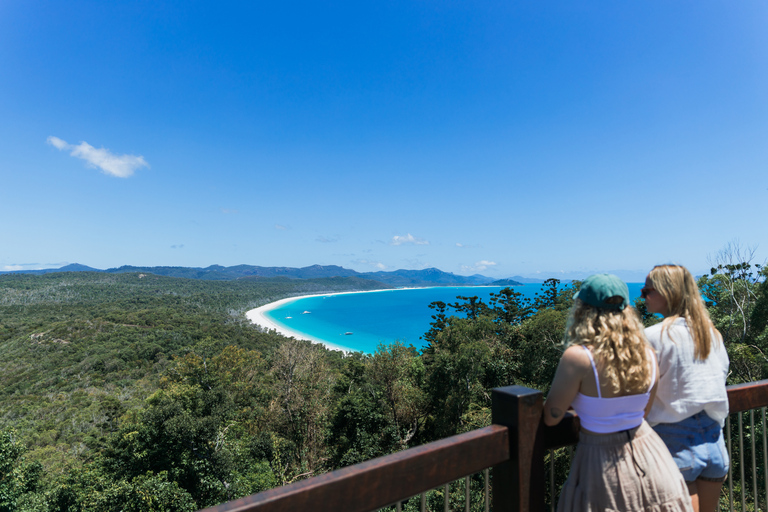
(759, 320)
(359, 429)
(396, 379)
(539, 347)
(91, 490)
(197, 427)
(18, 478)
(303, 383)
(647, 317)
(152, 393)
(510, 307)
(735, 294)
(455, 373)
(554, 297)
(731, 293)
(511, 340)
(150, 383)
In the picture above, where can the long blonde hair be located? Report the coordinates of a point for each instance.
(618, 345)
(678, 287)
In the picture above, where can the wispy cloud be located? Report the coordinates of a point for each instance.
(408, 239)
(375, 264)
(120, 166)
(15, 267)
(179, 246)
(465, 246)
(326, 240)
(230, 211)
(478, 266)
(281, 227)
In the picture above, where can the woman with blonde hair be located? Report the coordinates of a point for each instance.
(608, 374)
(691, 403)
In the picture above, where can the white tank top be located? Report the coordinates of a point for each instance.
(608, 415)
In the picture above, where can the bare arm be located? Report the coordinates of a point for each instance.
(566, 384)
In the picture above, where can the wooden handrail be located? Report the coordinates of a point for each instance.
(380, 482)
(751, 395)
(514, 446)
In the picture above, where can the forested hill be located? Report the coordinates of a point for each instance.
(81, 353)
(139, 392)
(425, 277)
(116, 386)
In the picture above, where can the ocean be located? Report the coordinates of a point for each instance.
(359, 322)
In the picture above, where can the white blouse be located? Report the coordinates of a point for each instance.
(687, 386)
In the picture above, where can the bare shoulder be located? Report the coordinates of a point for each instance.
(573, 365)
(577, 357)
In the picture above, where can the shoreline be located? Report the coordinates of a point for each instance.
(258, 316)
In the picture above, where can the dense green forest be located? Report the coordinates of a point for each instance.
(137, 392)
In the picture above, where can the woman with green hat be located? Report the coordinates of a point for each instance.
(608, 375)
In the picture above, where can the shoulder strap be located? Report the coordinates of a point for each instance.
(594, 370)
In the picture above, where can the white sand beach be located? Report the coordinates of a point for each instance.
(258, 317)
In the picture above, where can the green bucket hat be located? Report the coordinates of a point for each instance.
(597, 289)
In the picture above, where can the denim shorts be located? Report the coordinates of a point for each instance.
(698, 447)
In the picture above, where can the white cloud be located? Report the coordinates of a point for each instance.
(57, 142)
(120, 166)
(281, 227)
(326, 240)
(408, 239)
(478, 266)
(230, 211)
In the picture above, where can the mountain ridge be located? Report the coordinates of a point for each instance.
(425, 277)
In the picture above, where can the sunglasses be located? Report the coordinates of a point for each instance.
(645, 290)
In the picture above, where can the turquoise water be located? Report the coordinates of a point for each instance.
(380, 316)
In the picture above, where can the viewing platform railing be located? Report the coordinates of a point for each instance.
(513, 448)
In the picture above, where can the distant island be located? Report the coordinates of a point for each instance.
(396, 278)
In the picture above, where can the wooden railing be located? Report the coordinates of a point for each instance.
(513, 447)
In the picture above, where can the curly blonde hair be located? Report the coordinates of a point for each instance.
(678, 287)
(618, 345)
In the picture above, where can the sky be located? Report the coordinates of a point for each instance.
(499, 138)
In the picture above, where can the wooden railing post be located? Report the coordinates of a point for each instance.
(519, 484)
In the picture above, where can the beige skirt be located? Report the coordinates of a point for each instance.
(627, 471)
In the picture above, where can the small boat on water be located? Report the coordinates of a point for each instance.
(348, 333)
(306, 313)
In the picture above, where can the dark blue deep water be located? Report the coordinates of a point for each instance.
(381, 316)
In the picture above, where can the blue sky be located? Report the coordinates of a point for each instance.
(502, 138)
